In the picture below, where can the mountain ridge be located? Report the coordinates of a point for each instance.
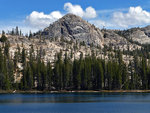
(72, 27)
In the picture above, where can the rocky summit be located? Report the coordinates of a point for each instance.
(72, 27)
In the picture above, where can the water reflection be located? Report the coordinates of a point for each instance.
(74, 98)
(75, 103)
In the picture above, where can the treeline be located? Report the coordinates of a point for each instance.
(89, 73)
(18, 32)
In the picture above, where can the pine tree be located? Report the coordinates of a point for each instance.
(6, 77)
(38, 75)
(3, 38)
(100, 75)
(58, 72)
(29, 77)
(43, 73)
(76, 75)
(6, 49)
(143, 73)
(66, 71)
(49, 76)
(24, 65)
(17, 31)
(109, 75)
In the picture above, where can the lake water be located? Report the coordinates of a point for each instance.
(75, 103)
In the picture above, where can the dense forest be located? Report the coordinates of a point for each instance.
(89, 73)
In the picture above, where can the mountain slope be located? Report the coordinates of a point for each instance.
(72, 27)
(139, 35)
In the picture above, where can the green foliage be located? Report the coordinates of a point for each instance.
(3, 38)
(89, 73)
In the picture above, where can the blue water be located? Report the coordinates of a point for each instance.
(75, 103)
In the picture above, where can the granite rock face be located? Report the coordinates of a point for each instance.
(139, 35)
(146, 30)
(72, 27)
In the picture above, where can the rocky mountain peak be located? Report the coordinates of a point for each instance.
(71, 16)
(72, 27)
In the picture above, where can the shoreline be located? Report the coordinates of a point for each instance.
(73, 91)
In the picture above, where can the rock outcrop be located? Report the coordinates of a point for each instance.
(72, 27)
(146, 30)
(139, 35)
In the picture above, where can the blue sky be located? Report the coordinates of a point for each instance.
(116, 14)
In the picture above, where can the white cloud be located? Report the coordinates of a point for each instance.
(136, 16)
(115, 18)
(74, 9)
(41, 20)
(90, 13)
(77, 10)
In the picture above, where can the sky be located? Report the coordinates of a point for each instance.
(37, 14)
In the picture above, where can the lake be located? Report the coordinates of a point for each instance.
(75, 103)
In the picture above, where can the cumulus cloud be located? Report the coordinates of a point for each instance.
(133, 17)
(41, 20)
(136, 16)
(74, 9)
(90, 13)
(77, 10)
(115, 18)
